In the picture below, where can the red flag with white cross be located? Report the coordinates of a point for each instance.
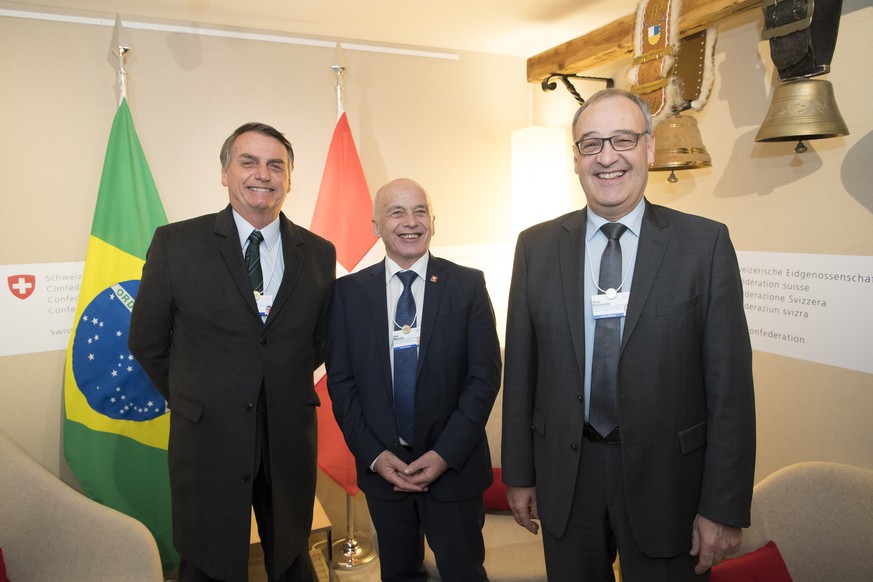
(342, 215)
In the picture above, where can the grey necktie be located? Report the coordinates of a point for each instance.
(603, 411)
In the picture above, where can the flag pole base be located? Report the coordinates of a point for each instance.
(351, 552)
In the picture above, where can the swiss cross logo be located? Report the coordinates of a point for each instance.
(21, 285)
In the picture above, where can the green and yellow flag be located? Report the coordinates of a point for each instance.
(117, 424)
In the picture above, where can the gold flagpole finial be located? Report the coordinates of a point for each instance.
(119, 49)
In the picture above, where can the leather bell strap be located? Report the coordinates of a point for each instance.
(656, 37)
(694, 67)
(802, 35)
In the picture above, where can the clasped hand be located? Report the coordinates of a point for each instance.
(414, 477)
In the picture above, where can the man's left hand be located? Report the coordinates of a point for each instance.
(713, 542)
(426, 469)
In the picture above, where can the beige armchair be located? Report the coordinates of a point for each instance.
(49, 531)
(821, 517)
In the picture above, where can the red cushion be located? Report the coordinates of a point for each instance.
(763, 565)
(3, 577)
(495, 496)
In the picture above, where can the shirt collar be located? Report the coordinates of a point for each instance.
(244, 229)
(633, 220)
(419, 266)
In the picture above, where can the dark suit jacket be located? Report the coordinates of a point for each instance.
(458, 376)
(686, 401)
(196, 331)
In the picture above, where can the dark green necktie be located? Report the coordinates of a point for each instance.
(253, 261)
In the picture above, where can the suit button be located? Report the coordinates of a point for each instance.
(247, 407)
(574, 447)
(581, 397)
(263, 340)
(246, 478)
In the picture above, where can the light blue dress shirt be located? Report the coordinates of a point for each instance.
(595, 243)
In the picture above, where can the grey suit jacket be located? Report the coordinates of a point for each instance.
(686, 401)
(458, 376)
(196, 331)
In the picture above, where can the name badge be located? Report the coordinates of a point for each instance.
(265, 302)
(408, 337)
(602, 306)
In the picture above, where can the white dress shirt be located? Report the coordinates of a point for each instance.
(394, 287)
(272, 258)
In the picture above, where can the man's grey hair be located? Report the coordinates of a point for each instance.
(615, 92)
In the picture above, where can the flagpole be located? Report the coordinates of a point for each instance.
(352, 551)
(355, 549)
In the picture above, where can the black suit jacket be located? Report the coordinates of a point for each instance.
(458, 376)
(686, 402)
(196, 331)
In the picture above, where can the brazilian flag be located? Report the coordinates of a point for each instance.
(116, 423)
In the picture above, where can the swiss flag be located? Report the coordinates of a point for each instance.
(21, 285)
(344, 209)
(342, 215)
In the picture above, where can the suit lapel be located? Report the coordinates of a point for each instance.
(571, 248)
(434, 283)
(654, 236)
(377, 301)
(225, 229)
(293, 258)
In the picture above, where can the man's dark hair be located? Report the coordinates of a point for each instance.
(261, 128)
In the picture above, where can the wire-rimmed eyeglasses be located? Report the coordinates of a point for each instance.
(621, 142)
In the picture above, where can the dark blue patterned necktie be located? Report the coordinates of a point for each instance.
(603, 412)
(405, 361)
(253, 261)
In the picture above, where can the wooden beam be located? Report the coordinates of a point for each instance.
(615, 40)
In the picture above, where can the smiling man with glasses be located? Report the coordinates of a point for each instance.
(628, 414)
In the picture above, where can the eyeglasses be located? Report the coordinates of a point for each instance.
(621, 142)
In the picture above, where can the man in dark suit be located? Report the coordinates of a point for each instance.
(667, 481)
(413, 365)
(233, 353)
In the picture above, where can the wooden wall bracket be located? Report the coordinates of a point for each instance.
(615, 40)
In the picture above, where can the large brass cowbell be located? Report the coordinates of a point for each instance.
(802, 109)
(802, 38)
